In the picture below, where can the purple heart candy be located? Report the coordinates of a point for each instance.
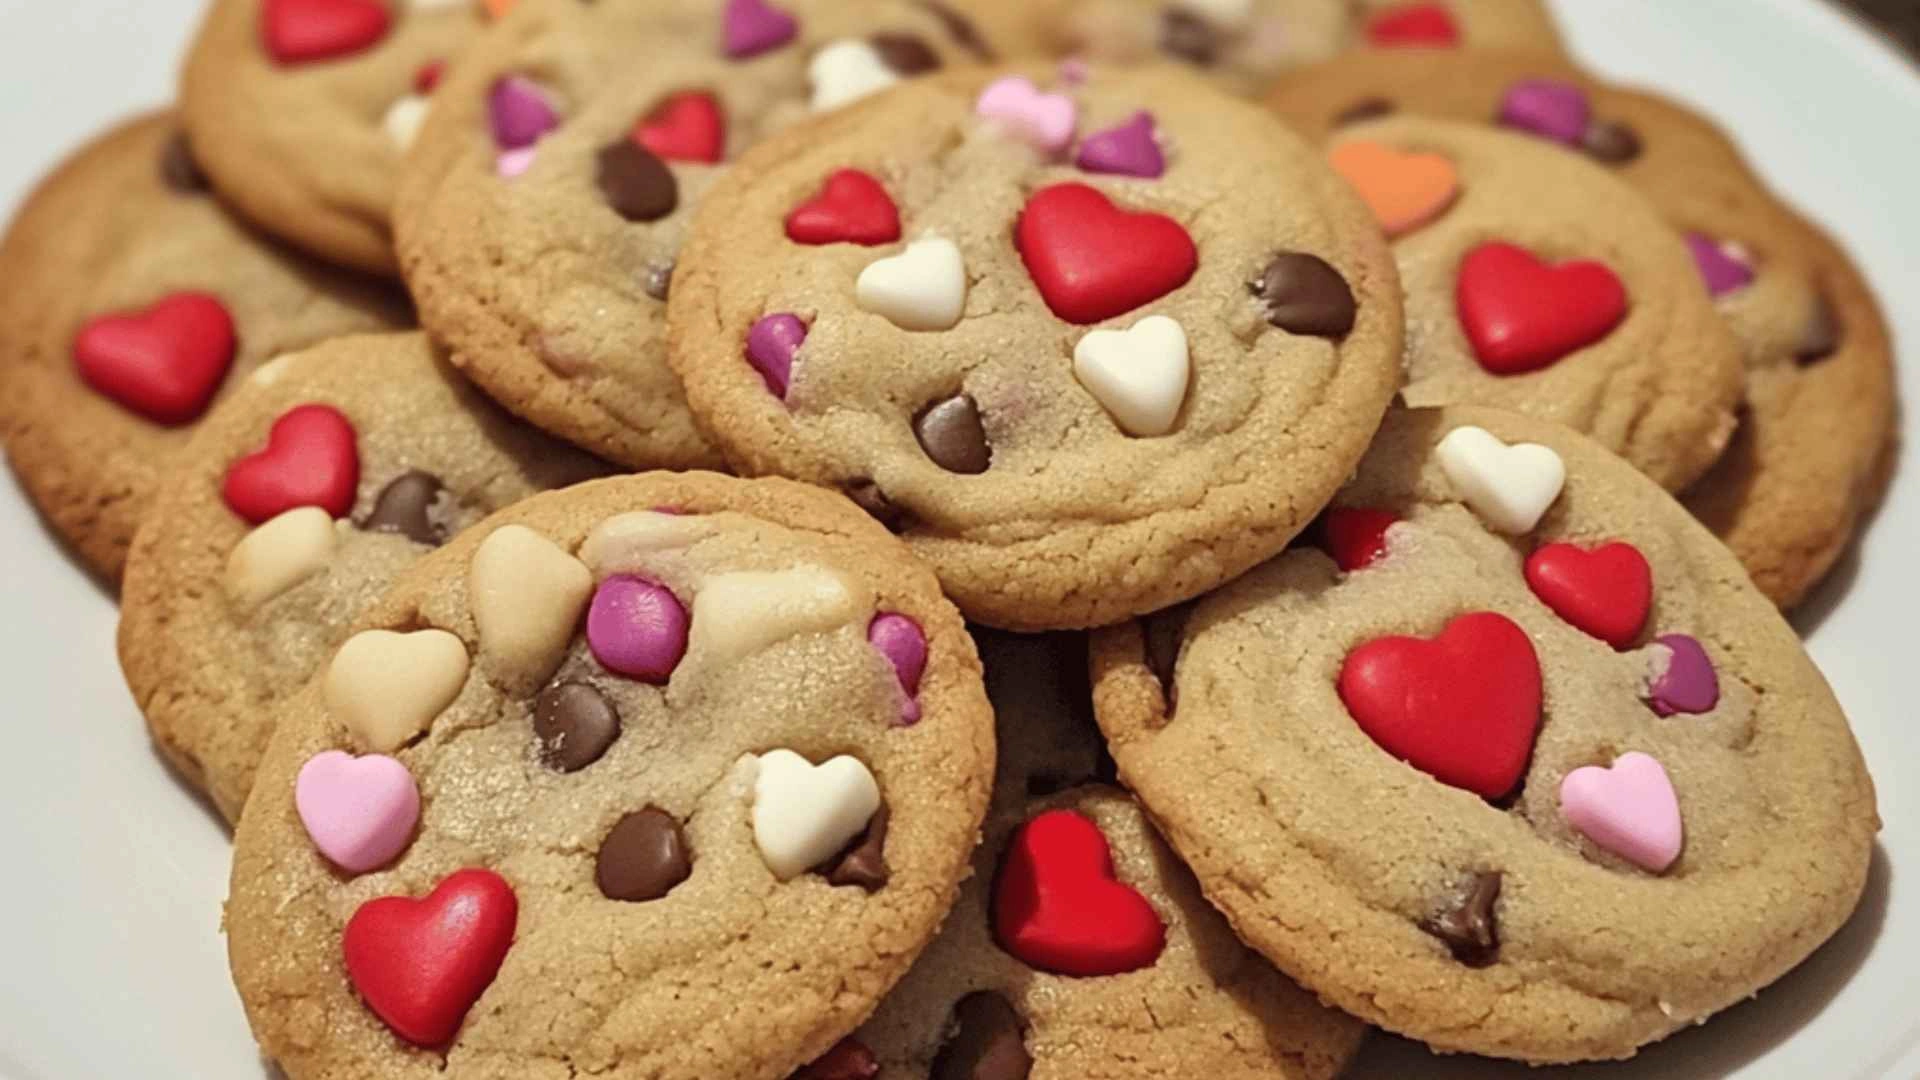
(751, 27)
(637, 628)
(1689, 684)
(1721, 269)
(1126, 150)
(1546, 107)
(901, 641)
(520, 112)
(771, 345)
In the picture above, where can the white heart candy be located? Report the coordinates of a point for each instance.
(282, 552)
(387, 687)
(1139, 375)
(1226, 14)
(1508, 486)
(803, 814)
(847, 71)
(403, 120)
(922, 288)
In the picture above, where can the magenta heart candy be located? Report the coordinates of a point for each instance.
(1719, 268)
(1548, 108)
(1128, 149)
(637, 628)
(771, 345)
(1628, 808)
(901, 641)
(361, 811)
(1689, 685)
(751, 27)
(520, 112)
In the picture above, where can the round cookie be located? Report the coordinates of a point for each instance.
(1164, 989)
(1537, 282)
(132, 302)
(1081, 391)
(550, 284)
(644, 819)
(351, 460)
(1810, 456)
(302, 111)
(1599, 794)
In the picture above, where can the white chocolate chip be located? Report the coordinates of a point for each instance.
(282, 552)
(805, 813)
(846, 71)
(738, 614)
(1139, 375)
(387, 687)
(270, 372)
(403, 120)
(621, 543)
(1226, 14)
(527, 597)
(1510, 487)
(922, 288)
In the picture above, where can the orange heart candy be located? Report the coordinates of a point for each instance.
(1404, 190)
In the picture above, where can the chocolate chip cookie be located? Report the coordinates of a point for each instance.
(327, 473)
(132, 302)
(1544, 775)
(664, 776)
(1068, 339)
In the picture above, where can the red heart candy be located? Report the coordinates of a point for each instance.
(1356, 535)
(299, 31)
(852, 208)
(1057, 906)
(310, 460)
(1606, 592)
(1521, 314)
(1093, 260)
(688, 126)
(164, 362)
(421, 964)
(1415, 24)
(1463, 708)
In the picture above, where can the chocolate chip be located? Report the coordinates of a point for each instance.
(178, 167)
(906, 54)
(575, 724)
(1163, 631)
(1304, 295)
(848, 1060)
(1187, 36)
(405, 506)
(1615, 144)
(643, 858)
(864, 862)
(1467, 925)
(1821, 336)
(988, 1042)
(636, 184)
(659, 280)
(1372, 108)
(950, 432)
(867, 496)
(959, 28)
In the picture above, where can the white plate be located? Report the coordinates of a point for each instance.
(111, 960)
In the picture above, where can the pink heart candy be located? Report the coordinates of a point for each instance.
(360, 811)
(1045, 121)
(511, 163)
(901, 641)
(751, 27)
(637, 628)
(1628, 808)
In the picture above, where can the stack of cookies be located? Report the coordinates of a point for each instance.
(1249, 519)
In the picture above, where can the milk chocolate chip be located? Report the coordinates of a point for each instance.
(643, 858)
(1467, 925)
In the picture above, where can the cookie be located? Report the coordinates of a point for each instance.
(1081, 948)
(297, 504)
(550, 284)
(1537, 282)
(1546, 777)
(634, 728)
(1244, 44)
(1809, 457)
(133, 301)
(1128, 336)
(301, 111)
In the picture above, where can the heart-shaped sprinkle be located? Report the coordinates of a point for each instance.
(1129, 149)
(1520, 314)
(635, 184)
(406, 506)
(752, 27)
(526, 594)
(1689, 683)
(737, 614)
(404, 119)
(1549, 108)
(311, 459)
(426, 78)
(951, 433)
(907, 54)
(1468, 924)
(1610, 142)
(772, 344)
(637, 628)
(1721, 268)
(864, 862)
(1628, 808)
(1404, 189)
(1356, 536)
(279, 554)
(987, 1041)
(846, 71)
(1139, 375)
(1510, 487)
(804, 813)
(359, 811)
(852, 208)
(688, 126)
(1057, 906)
(922, 288)
(643, 858)
(164, 362)
(1019, 109)
(1420, 25)
(520, 112)
(302, 31)
(512, 163)
(904, 644)
(387, 687)
(849, 1059)
(575, 724)
(421, 964)
(1463, 708)
(1304, 294)
(1092, 260)
(1605, 592)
